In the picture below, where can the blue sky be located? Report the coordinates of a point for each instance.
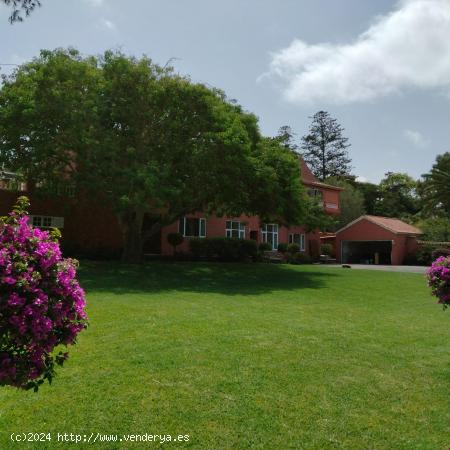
(381, 68)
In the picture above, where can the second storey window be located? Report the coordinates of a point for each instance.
(298, 239)
(316, 194)
(193, 227)
(47, 221)
(234, 229)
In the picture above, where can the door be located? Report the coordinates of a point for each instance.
(269, 233)
(366, 252)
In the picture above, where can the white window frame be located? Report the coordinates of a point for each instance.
(46, 222)
(302, 240)
(201, 227)
(240, 229)
(274, 233)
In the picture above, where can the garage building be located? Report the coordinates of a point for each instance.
(376, 240)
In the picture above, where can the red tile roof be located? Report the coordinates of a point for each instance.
(307, 175)
(394, 225)
(397, 226)
(310, 179)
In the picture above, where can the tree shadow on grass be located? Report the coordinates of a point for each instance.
(229, 279)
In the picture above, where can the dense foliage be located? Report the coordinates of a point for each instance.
(145, 140)
(41, 302)
(436, 229)
(435, 188)
(223, 249)
(439, 280)
(326, 249)
(175, 239)
(397, 196)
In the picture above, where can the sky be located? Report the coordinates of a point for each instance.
(381, 68)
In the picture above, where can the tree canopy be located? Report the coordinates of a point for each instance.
(148, 141)
(397, 196)
(435, 188)
(325, 147)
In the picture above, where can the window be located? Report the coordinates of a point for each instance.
(193, 227)
(298, 239)
(317, 195)
(269, 233)
(47, 221)
(234, 229)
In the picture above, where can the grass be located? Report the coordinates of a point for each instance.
(249, 356)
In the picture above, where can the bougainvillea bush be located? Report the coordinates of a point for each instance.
(41, 302)
(439, 279)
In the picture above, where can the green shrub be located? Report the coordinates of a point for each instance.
(326, 249)
(293, 248)
(298, 258)
(303, 258)
(248, 248)
(265, 247)
(438, 252)
(424, 255)
(282, 247)
(175, 239)
(197, 247)
(223, 249)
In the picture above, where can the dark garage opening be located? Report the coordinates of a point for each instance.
(366, 252)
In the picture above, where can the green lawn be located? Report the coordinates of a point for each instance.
(249, 356)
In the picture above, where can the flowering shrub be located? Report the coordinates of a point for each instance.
(41, 302)
(439, 279)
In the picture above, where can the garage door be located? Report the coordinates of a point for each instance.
(366, 252)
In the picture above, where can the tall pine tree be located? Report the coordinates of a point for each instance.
(325, 147)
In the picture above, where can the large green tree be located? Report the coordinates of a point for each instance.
(149, 142)
(435, 187)
(324, 148)
(435, 229)
(397, 196)
(370, 192)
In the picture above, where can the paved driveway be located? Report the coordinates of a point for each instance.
(410, 269)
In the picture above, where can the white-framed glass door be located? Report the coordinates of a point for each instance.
(269, 233)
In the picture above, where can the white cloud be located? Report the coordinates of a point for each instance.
(107, 24)
(416, 138)
(408, 48)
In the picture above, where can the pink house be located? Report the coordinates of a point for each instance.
(244, 227)
(89, 227)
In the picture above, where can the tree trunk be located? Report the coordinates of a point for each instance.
(133, 242)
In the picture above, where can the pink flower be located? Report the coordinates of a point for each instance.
(44, 305)
(439, 279)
